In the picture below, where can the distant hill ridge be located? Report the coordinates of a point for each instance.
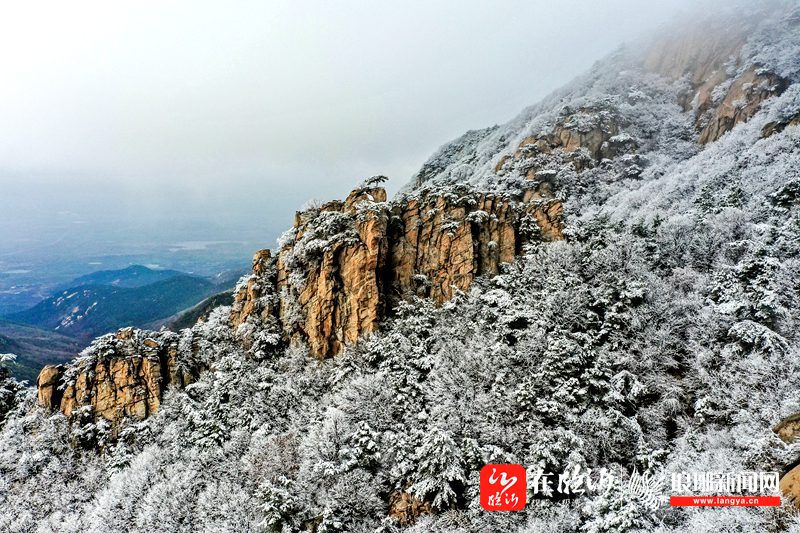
(57, 328)
(91, 309)
(132, 276)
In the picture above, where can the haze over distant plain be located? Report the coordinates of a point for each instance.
(160, 122)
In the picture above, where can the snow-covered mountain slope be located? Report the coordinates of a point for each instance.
(659, 336)
(655, 98)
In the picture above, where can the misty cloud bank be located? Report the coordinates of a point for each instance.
(152, 115)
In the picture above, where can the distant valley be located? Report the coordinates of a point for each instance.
(58, 327)
(35, 347)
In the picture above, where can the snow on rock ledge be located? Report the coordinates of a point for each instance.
(120, 375)
(344, 265)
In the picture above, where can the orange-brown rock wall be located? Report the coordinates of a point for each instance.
(128, 382)
(429, 246)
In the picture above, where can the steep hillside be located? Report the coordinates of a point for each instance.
(656, 100)
(608, 283)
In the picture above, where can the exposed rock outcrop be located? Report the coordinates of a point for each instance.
(341, 269)
(721, 88)
(586, 128)
(47, 384)
(440, 244)
(790, 485)
(702, 53)
(330, 296)
(772, 128)
(788, 430)
(405, 508)
(125, 375)
(248, 299)
(344, 265)
(742, 100)
(586, 136)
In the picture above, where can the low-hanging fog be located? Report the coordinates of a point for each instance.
(158, 122)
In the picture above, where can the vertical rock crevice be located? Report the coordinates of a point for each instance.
(345, 265)
(124, 375)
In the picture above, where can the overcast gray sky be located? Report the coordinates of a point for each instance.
(152, 113)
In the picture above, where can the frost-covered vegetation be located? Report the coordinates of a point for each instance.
(661, 336)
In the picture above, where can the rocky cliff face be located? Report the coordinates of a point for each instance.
(344, 265)
(340, 270)
(440, 243)
(125, 376)
(329, 273)
(723, 87)
(742, 100)
(581, 137)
